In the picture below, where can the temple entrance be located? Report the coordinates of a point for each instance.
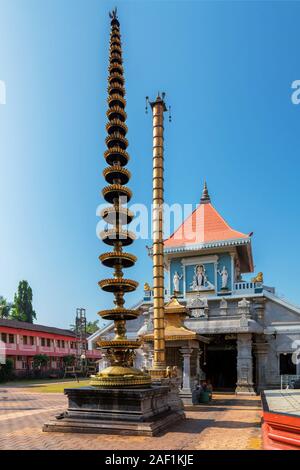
(221, 365)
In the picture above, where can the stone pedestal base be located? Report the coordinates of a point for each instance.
(174, 398)
(186, 396)
(124, 411)
(245, 390)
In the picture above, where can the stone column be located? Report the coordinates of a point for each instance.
(259, 307)
(198, 370)
(244, 365)
(186, 392)
(261, 352)
(298, 367)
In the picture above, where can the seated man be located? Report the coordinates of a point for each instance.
(196, 395)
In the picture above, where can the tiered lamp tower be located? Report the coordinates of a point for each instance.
(120, 350)
(120, 399)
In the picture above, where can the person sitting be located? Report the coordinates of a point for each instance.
(209, 388)
(196, 395)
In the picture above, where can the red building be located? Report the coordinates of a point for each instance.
(22, 341)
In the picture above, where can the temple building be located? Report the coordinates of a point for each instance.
(219, 326)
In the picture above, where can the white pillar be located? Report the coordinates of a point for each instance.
(244, 365)
(186, 375)
(298, 362)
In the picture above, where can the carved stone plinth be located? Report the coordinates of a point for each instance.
(93, 410)
(174, 399)
(244, 384)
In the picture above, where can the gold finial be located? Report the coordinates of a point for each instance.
(113, 14)
(205, 196)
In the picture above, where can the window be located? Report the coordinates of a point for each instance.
(48, 342)
(43, 341)
(4, 337)
(31, 340)
(287, 367)
(58, 343)
(24, 339)
(63, 344)
(11, 338)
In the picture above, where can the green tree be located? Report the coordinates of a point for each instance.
(40, 360)
(69, 360)
(91, 327)
(22, 309)
(5, 307)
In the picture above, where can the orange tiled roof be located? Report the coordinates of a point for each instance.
(204, 225)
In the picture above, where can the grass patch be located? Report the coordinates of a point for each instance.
(46, 385)
(56, 387)
(29, 382)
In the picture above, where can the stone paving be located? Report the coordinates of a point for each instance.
(283, 401)
(227, 423)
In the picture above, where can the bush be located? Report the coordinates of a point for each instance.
(6, 370)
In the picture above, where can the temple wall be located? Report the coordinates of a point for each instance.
(186, 267)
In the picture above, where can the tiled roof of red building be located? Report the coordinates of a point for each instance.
(20, 325)
(204, 225)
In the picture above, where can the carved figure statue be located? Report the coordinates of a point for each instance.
(200, 281)
(224, 277)
(176, 279)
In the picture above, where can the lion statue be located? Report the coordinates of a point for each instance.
(258, 278)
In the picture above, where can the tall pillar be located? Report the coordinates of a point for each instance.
(261, 353)
(202, 375)
(198, 370)
(186, 391)
(159, 362)
(244, 365)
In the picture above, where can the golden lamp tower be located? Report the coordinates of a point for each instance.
(122, 399)
(159, 360)
(120, 350)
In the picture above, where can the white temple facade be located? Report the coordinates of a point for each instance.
(249, 337)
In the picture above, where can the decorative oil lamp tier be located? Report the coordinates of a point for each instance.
(120, 399)
(120, 350)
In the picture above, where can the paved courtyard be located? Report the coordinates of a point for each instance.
(228, 423)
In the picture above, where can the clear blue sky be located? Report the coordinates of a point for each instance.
(227, 68)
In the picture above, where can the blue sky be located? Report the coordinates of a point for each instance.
(227, 68)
